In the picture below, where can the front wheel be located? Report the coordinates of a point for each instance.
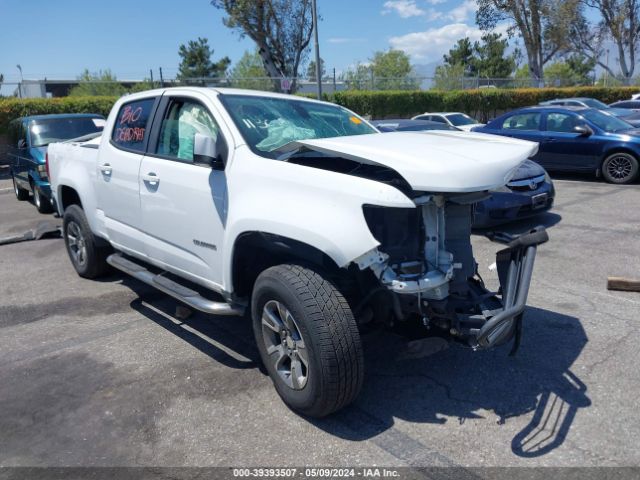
(21, 193)
(620, 168)
(308, 339)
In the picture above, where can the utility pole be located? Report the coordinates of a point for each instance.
(334, 79)
(315, 36)
(606, 72)
(161, 79)
(21, 80)
(151, 77)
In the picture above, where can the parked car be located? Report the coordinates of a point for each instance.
(575, 139)
(28, 140)
(404, 125)
(587, 102)
(455, 119)
(529, 193)
(626, 104)
(299, 212)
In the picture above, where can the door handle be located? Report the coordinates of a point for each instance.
(151, 178)
(105, 168)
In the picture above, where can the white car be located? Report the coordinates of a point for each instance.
(302, 215)
(455, 119)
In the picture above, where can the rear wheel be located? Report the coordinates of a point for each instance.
(21, 193)
(308, 339)
(620, 168)
(87, 257)
(42, 203)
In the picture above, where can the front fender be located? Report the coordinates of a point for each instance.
(320, 208)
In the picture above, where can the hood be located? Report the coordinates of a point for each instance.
(38, 153)
(528, 169)
(436, 160)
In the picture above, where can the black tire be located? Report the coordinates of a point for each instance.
(42, 203)
(22, 194)
(92, 263)
(324, 323)
(620, 168)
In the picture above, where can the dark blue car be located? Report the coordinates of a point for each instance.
(575, 139)
(529, 192)
(28, 140)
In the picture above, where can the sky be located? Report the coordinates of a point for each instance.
(59, 39)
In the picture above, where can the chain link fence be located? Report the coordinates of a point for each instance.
(59, 88)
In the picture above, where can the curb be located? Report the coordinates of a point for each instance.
(4, 191)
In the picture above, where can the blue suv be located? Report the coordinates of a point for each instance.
(28, 140)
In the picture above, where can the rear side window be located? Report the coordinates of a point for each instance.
(131, 129)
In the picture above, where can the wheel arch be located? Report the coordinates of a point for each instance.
(68, 196)
(255, 251)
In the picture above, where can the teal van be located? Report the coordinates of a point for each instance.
(28, 139)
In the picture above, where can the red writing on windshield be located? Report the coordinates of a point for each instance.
(130, 115)
(129, 134)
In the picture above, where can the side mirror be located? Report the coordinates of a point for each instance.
(206, 151)
(583, 130)
(22, 143)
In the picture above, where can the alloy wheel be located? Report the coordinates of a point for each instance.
(619, 167)
(285, 345)
(77, 243)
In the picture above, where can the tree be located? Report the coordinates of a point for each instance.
(311, 70)
(196, 61)
(360, 77)
(142, 86)
(249, 73)
(461, 54)
(281, 29)
(101, 83)
(449, 77)
(392, 70)
(490, 60)
(619, 23)
(544, 26)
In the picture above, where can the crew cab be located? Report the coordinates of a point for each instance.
(300, 214)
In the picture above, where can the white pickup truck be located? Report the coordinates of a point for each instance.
(300, 213)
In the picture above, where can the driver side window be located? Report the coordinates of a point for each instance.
(183, 119)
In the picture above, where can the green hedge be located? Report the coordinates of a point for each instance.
(483, 104)
(11, 108)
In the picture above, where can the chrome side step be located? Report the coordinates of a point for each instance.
(174, 289)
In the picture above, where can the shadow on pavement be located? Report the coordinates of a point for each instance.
(454, 383)
(461, 384)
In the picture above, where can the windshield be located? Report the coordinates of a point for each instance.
(458, 119)
(46, 131)
(268, 123)
(606, 122)
(593, 103)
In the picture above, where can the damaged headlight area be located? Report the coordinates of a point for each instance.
(425, 259)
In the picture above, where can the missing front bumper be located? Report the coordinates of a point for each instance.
(515, 267)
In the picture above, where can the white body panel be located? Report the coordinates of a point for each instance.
(320, 208)
(436, 160)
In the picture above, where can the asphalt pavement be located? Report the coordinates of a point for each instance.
(103, 373)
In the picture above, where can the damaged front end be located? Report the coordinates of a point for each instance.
(425, 260)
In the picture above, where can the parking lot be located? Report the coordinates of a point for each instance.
(103, 373)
